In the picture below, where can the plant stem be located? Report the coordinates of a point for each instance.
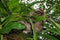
(33, 28)
(1, 36)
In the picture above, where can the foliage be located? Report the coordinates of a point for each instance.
(12, 11)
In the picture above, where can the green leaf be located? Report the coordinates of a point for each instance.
(39, 18)
(54, 24)
(12, 25)
(14, 5)
(4, 3)
(2, 9)
(12, 17)
(49, 37)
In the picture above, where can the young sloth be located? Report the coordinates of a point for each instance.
(38, 25)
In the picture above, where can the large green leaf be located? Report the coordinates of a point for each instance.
(12, 25)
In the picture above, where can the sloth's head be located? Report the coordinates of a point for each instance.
(38, 12)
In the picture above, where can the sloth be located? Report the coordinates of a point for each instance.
(37, 25)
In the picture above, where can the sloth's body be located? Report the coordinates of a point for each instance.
(38, 25)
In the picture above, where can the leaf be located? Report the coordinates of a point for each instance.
(49, 37)
(53, 30)
(14, 5)
(2, 10)
(54, 23)
(12, 25)
(39, 18)
(12, 17)
(4, 2)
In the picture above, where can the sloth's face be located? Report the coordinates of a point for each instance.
(38, 12)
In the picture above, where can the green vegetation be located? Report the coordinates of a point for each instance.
(12, 12)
